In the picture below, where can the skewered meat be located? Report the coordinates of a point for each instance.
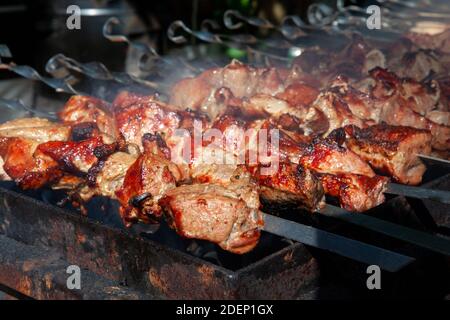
(416, 65)
(356, 193)
(108, 175)
(215, 213)
(137, 115)
(299, 94)
(241, 80)
(392, 150)
(359, 103)
(145, 182)
(327, 156)
(81, 109)
(41, 130)
(75, 157)
(399, 109)
(291, 185)
(336, 110)
(23, 163)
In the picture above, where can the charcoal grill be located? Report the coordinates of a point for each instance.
(39, 240)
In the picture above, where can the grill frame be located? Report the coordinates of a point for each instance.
(139, 268)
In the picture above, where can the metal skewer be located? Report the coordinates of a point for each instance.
(17, 105)
(60, 85)
(419, 192)
(353, 249)
(421, 239)
(435, 160)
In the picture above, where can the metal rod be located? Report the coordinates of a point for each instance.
(418, 238)
(435, 160)
(419, 192)
(17, 104)
(98, 71)
(60, 85)
(353, 249)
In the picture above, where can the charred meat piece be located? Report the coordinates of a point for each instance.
(145, 182)
(290, 185)
(23, 163)
(328, 156)
(76, 157)
(356, 193)
(214, 213)
(81, 109)
(392, 150)
(107, 176)
(137, 115)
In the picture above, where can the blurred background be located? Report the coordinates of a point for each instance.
(35, 30)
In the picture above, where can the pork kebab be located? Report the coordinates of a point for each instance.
(123, 151)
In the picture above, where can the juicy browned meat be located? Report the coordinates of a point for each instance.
(291, 185)
(75, 157)
(145, 182)
(214, 213)
(138, 115)
(327, 156)
(28, 167)
(81, 109)
(199, 93)
(355, 192)
(337, 111)
(360, 104)
(401, 109)
(392, 150)
(299, 94)
(108, 176)
(38, 129)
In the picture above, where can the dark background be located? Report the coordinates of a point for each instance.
(36, 30)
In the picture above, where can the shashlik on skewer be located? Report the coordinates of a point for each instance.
(330, 154)
(123, 150)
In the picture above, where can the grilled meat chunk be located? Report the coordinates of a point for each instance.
(27, 166)
(299, 94)
(355, 192)
(108, 176)
(214, 213)
(81, 109)
(75, 157)
(199, 93)
(145, 182)
(336, 110)
(290, 185)
(408, 107)
(137, 115)
(391, 150)
(38, 129)
(328, 156)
